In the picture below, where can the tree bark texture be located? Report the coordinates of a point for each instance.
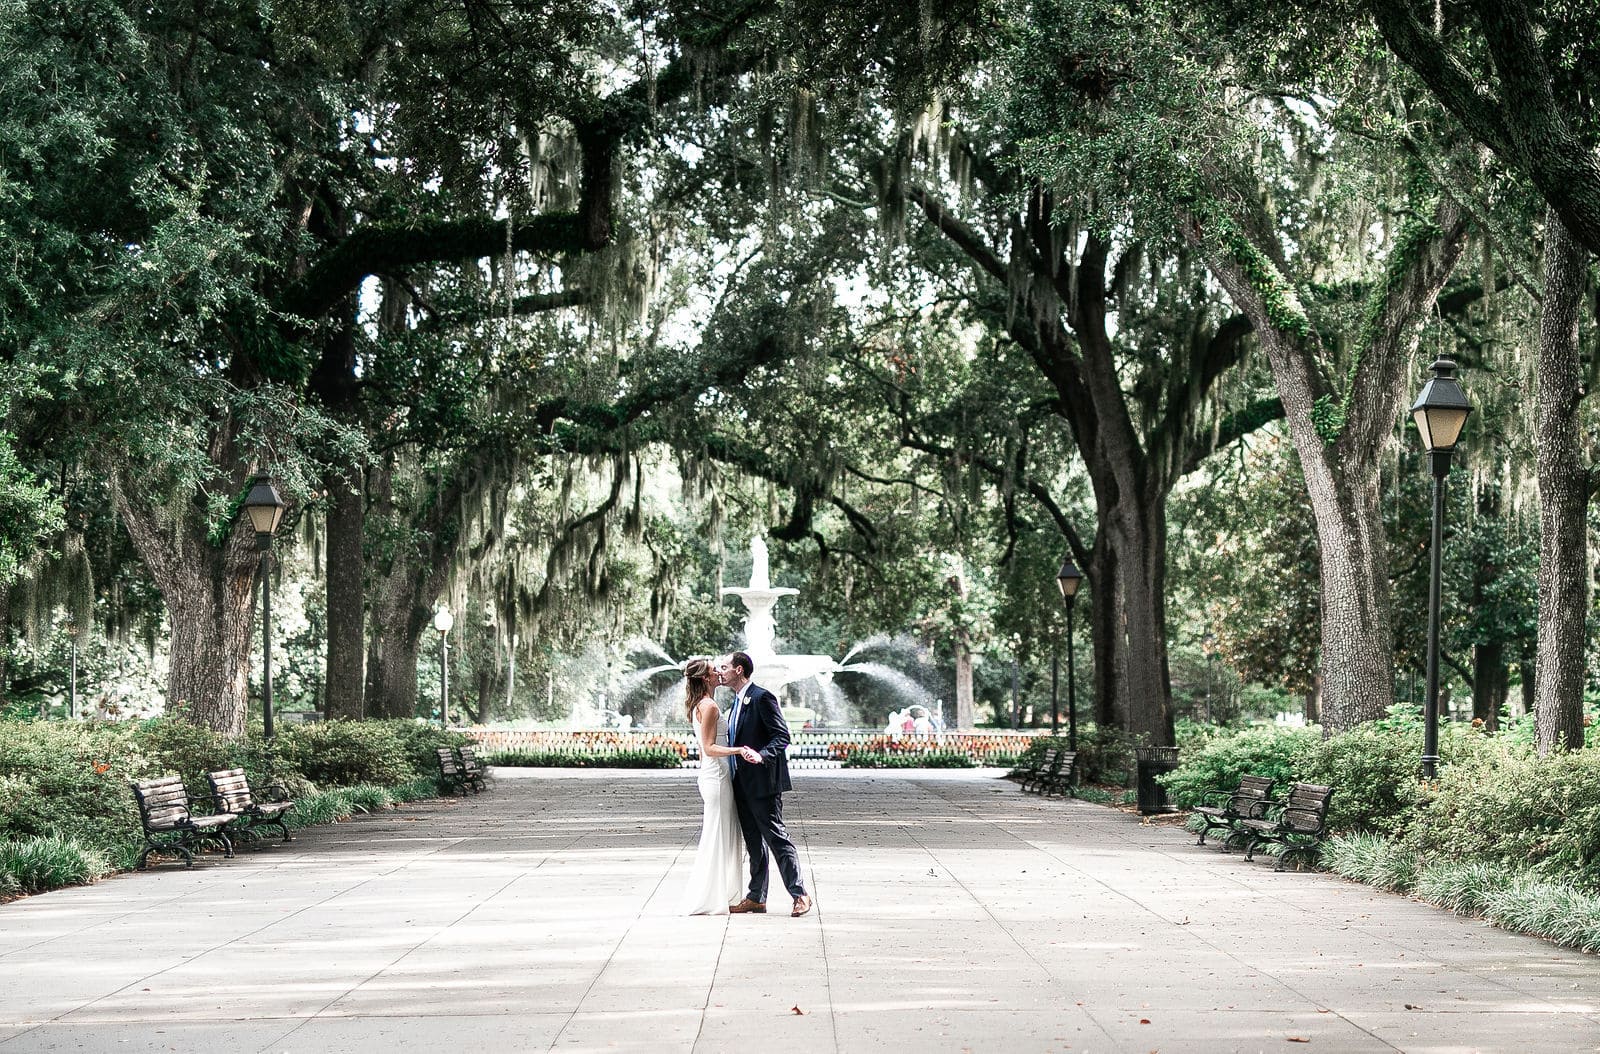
(345, 530)
(1062, 320)
(210, 594)
(964, 701)
(1341, 436)
(1491, 680)
(1563, 497)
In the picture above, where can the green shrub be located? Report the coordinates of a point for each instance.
(932, 759)
(420, 740)
(1217, 764)
(1374, 769)
(1508, 806)
(34, 865)
(647, 758)
(1105, 755)
(71, 781)
(168, 745)
(346, 753)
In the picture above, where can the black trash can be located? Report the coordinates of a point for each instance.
(1153, 762)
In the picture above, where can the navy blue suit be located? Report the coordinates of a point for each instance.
(758, 791)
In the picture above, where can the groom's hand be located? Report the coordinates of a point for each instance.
(751, 755)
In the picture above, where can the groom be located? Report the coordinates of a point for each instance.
(758, 785)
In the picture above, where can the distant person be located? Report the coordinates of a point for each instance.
(922, 725)
(760, 776)
(719, 860)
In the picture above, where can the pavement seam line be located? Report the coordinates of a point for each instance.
(513, 880)
(999, 825)
(578, 1008)
(822, 933)
(233, 940)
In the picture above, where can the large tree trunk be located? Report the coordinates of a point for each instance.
(1141, 539)
(404, 588)
(1341, 436)
(209, 592)
(964, 702)
(1357, 668)
(1105, 625)
(1491, 680)
(346, 521)
(1563, 498)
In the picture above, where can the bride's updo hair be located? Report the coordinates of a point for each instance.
(696, 684)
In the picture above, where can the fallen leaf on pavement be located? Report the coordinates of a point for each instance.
(797, 1010)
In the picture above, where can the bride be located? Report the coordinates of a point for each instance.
(718, 875)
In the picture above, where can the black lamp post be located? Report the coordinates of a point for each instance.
(1069, 578)
(1440, 412)
(266, 512)
(73, 632)
(1208, 644)
(442, 621)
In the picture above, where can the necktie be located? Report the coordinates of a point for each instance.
(733, 724)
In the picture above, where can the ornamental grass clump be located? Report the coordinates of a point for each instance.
(34, 865)
(1370, 858)
(1554, 910)
(1464, 887)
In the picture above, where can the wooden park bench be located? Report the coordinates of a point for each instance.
(472, 770)
(1059, 781)
(1299, 824)
(1048, 770)
(1249, 801)
(1028, 768)
(230, 788)
(170, 824)
(1049, 764)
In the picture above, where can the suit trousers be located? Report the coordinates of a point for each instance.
(761, 820)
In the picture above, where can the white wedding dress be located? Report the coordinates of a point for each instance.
(718, 876)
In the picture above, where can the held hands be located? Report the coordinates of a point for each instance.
(750, 755)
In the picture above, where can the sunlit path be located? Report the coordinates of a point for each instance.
(954, 913)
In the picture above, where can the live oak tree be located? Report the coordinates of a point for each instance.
(1242, 176)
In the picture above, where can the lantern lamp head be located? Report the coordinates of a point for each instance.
(1441, 409)
(265, 508)
(1069, 578)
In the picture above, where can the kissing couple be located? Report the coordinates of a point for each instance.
(744, 770)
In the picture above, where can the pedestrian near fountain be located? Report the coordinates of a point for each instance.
(719, 859)
(755, 722)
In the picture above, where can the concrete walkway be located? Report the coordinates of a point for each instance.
(954, 914)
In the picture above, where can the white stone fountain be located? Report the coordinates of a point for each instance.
(773, 670)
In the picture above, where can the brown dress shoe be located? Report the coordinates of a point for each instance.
(802, 904)
(748, 907)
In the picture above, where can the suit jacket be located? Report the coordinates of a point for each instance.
(761, 726)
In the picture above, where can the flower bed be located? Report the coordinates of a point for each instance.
(993, 750)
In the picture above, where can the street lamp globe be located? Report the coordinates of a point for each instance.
(443, 620)
(1441, 409)
(265, 509)
(1068, 579)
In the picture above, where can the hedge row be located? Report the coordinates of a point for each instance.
(644, 758)
(67, 814)
(1502, 833)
